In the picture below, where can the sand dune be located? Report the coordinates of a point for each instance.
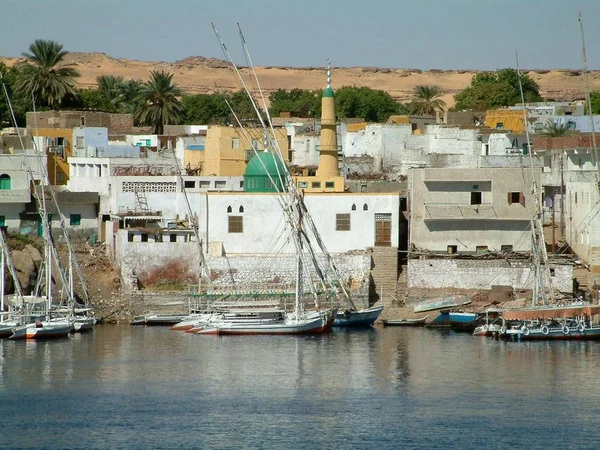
(205, 75)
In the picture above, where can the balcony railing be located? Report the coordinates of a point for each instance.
(329, 148)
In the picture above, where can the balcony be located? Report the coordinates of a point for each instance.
(444, 211)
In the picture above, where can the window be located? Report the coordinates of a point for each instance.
(316, 185)
(242, 183)
(506, 248)
(235, 143)
(342, 222)
(236, 224)
(129, 237)
(353, 207)
(189, 184)
(516, 197)
(552, 271)
(144, 237)
(302, 184)
(475, 198)
(79, 142)
(220, 184)
(241, 209)
(172, 238)
(2, 221)
(451, 249)
(75, 219)
(229, 209)
(329, 184)
(365, 207)
(204, 184)
(5, 183)
(60, 177)
(499, 125)
(481, 249)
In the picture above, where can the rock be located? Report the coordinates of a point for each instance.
(26, 269)
(35, 254)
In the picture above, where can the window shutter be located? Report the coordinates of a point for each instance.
(522, 198)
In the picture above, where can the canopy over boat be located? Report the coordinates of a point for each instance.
(551, 312)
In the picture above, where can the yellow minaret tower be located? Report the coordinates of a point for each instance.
(328, 159)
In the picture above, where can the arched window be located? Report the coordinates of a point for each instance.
(229, 209)
(241, 209)
(5, 182)
(353, 207)
(365, 207)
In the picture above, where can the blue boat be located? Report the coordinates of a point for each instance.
(362, 318)
(458, 321)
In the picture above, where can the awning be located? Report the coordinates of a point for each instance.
(561, 312)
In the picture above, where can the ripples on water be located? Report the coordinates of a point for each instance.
(130, 387)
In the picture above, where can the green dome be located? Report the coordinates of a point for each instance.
(328, 92)
(260, 166)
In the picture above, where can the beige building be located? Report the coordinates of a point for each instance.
(471, 211)
(227, 150)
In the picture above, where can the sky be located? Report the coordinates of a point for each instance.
(416, 34)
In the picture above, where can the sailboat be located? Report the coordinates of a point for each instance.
(547, 319)
(39, 317)
(280, 322)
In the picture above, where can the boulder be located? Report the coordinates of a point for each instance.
(26, 269)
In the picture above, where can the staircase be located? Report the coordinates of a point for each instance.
(384, 274)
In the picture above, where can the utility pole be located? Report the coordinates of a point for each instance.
(562, 195)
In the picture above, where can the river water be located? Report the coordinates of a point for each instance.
(135, 387)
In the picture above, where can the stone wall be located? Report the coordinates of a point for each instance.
(384, 274)
(481, 274)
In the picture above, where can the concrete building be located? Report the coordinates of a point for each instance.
(453, 211)
(573, 166)
(474, 232)
(115, 123)
(227, 150)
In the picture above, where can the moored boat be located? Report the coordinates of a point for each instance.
(361, 318)
(43, 329)
(419, 322)
(449, 301)
(159, 319)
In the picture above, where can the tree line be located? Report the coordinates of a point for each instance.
(45, 78)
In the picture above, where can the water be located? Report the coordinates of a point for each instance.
(135, 387)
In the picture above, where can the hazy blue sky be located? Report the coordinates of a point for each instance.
(424, 34)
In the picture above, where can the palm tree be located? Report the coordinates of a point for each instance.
(553, 129)
(159, 102)
(111, 88)
(130, 92)
(44, 75)
(426, 100)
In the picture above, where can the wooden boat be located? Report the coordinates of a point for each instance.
(362, 318)
(159, 319)
(419, 322)
(449, 301)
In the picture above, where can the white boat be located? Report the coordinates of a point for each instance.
(81, 324)
(44, 329)
(449, 301)
(316, 323)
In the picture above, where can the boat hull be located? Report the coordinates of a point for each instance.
(553, 334)
(463, 321)
(314, 325)
(42, 330)
(405, 322)
(159, 319)
(363, 318)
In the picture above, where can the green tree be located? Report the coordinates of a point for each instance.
(20, 103)
(159, 102)
(553, 129)
(490, 90)
(45, 75)
(303, 102)
(365, 103)
(111, 88)
(206, 109)
(426, 100)
(130, 91)
(595, 102)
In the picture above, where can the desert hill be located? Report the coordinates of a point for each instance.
(197, 74)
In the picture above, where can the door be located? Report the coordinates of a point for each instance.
(383, 230)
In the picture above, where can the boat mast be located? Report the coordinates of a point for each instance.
(588, 101)
(540, 256)
(299, 268)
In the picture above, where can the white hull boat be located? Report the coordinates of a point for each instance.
(43, 330)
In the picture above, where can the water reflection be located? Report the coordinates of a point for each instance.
(239, 391)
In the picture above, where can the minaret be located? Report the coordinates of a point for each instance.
(328, 160)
